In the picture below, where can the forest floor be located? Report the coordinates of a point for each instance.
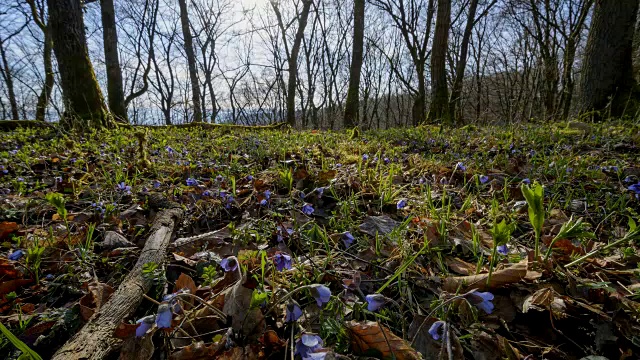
(401, 244)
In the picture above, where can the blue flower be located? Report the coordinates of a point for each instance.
(401, 204)
(307, 344)
(307, 209)
(482, 300)
(375, 301)
(263, 202)
(249, 178)
(365, 157)
(222, 193)
(503, 249)
(460, 166)
(229, 264)
(347, 239)
(483, 179)
(16, 255)
(124, 187)
(526, 181)
(219, 178)
(192, 182)
(156, 184)
(164, 316)
(320, 192)
(282, 261)
(386, 160)
(628, 179)
(635, 188)
(144, 325)
(321, 293)
(435, 328)
(267, 194)
(206, 193)
(293, 312)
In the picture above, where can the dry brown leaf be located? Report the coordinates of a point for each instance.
(6, 228)
(185, 282)
(499, 278)
(13, 285)
(370, 335)
(244, 319)
(98, 295)
(459, 266)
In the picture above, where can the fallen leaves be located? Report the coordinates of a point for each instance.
(372, 338)
(499, 278)
(7, 228)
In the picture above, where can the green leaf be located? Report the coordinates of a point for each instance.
(26, 351)
(257, 298)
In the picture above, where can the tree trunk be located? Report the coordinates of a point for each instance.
(47, 88)
(456, 90)
(607, 73)
(439, 109)
(191, 60)
(115, 92)
(352, 106)
(8, 79)
(82, 96)
(293, 63)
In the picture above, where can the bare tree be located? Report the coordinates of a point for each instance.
(439, 109)
(353, 94)
(191, 60)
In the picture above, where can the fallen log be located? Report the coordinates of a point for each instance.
(95, 340)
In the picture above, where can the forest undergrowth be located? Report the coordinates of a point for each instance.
(509, 242)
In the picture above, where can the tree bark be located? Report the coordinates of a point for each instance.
(607, 73)
(95, 340)
(115, 92)
(352, 106)
(8, 79)
(293, 63)
(84, 103)
(456, 89)
(191, 60)
(439, 109)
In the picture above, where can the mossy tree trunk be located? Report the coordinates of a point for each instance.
(115, 92)
(84, 103)
(607, 86)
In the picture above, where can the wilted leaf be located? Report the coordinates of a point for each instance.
(97, 296)
(301, 174)
(459, 266)
(7, 228)
(125, 331)
(378, 224)
(370, 337)
(13, 285)
(185, 282)
(510, 275)
(249, 322)
(326, 176)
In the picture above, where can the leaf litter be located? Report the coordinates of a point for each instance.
(517, 243)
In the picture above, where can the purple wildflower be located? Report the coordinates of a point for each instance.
(263, 202)
(375, 301)
(526, 181)
(206, 193)
(16, 255)
(386, 160)
(401, 204)
(156, 184)
(192, 182)
(320, 192)
(483, 179)
(229, 264)
(144, 325)
(164, 316)
(435, 328)
(267, 194)
(321, 293)
(124, 187)
(460, 166)
(307, 344)
(347, 239)
(482, 300)
(503, 249)
(307, 209)
(293, 312)
(365, 157)
(282, 261)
